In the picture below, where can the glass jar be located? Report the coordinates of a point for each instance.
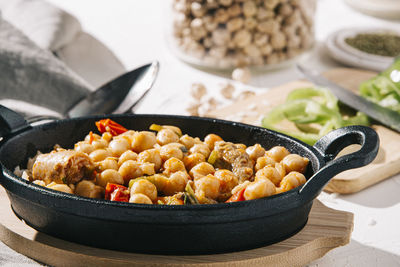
(225, 34)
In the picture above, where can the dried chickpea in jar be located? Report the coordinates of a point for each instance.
(227, 34)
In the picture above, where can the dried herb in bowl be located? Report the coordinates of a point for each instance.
(383, 44)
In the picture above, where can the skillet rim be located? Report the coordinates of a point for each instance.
(61, 195)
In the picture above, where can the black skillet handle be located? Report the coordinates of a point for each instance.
(331, 144)
(11, 122)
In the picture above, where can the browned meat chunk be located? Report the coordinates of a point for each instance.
(66, 166)
(236, 158)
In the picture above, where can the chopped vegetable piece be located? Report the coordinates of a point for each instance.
(384, 89)
(91, 137)
(155, 127)
(108, 125)
(190, 196)
(238, 196)
(314, 112)
(213, 157)
(116, 192)
(183, 149)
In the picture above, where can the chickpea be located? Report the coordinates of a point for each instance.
(173, 165)
(145, 187)
(240, 187)
(209, 185)
(201, 148)
(255, 151)
(294, 162)
(227, 90)
(94, 136)
(99, 155)
(171, 150)
(175, 129)
(277, 153)
(242, 75)
(269, 173)
(193, 159)
(99, 143)
(152, 156)
(201, 169)
(291, 180)
(160, 181)
(242, 38)
(128, 135)
(187, 141)
(108, 163)
(227, 180)
(259, 189)
(140, 199)
(201, 197)
(88, 189)
(143, 140)
(263, 162)
(210, 140)
(84, 147)
(147, 168)
(119, 146)
(127, 155)
(130, 169)
(170, 200)
(106, 136)
(109, 176)
(176, 183)
(241, 146)
(235, 24)
(281, 169)
(166, 136)
(60, 187)
(249, 8)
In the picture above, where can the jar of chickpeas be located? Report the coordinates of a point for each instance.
(226, 34)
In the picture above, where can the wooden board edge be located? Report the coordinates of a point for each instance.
(313, 251)
(349, 186)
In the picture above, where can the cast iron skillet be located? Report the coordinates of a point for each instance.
(162, 229)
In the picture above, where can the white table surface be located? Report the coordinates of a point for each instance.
(135, 32)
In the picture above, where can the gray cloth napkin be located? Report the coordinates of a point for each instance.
(47, 63)
(48, 26)
(35, 75)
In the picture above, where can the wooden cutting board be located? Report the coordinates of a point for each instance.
(326, 229)
(384, 166)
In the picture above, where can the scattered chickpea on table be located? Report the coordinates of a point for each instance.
(165, 166)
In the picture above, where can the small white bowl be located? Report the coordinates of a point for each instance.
(344, 53)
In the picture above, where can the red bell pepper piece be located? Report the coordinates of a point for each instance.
(238, 196)
(116, 192)
(110, 126)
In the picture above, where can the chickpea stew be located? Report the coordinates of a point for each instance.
(164, 166)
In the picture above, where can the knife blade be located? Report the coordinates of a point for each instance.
(381, 114)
